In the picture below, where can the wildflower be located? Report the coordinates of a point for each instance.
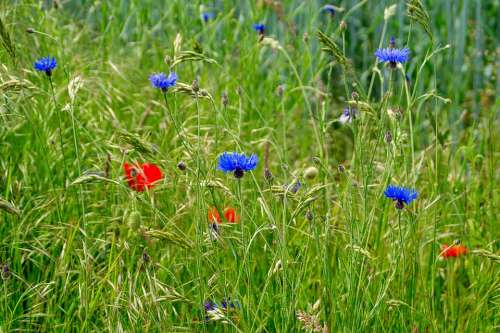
(46, 64)
(229, 214)
(392, 55)
(237, 163)
(213, 215)
(400, 195)
(142, 176)
(207, 16)
(348, 115)
(260, 28)
(163, 82)
(229, 305)
(453, 251)
(330, 9)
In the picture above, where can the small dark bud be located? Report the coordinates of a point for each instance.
(388, 137)
(392, 43)
(30, 30)
(280, 89)
(457, 242)
(145, 257)
(181, 166)
(341, 168)
(5, 271)
(268, 175)
(195, 86)
(309, 215)
(355, 96)
(225, 99)
(168, 60)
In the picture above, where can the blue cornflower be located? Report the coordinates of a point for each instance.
(330, 9)
(207, 16)
(401, 195)
(237, 163)
(46, 64)
(163, 82)
(260, 28)
(392, 55)
(229, 305)
(348, 115)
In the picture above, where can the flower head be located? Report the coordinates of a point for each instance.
(163, 82)
(453, 251)
(400, 195)
(237, 163)
(348, 115)
(46, 64)
(260, 28)
(207, 16)
(330, 9)
(392, 55)
(142, 176)
(229, 214)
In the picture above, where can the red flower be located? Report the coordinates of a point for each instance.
(142, 176)
(453, 251)
(213, 215)
(229, 214)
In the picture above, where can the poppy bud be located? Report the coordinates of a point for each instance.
(134, 220)
(310, 173)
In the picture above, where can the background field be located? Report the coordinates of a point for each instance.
(81, 251)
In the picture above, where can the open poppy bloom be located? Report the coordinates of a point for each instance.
(229, 215)
(141, 176)
(453, 251)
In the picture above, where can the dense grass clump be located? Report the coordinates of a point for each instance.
(249, 166)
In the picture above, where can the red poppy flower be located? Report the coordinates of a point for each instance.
(213, 215)
(230, 215)
(453, 251)
(142, 176)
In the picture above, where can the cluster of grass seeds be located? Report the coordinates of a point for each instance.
(311, 242)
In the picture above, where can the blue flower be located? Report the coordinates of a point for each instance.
(392, 55)
(46, 64)
(348, 115)
(330, 9)
(207, 16)
(400, 195)
(237, 163)
(260, 28)
(161, 81)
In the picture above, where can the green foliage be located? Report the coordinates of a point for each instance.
(316, 245)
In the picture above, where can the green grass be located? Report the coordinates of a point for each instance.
(81, 251)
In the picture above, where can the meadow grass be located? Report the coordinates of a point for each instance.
(317, 246)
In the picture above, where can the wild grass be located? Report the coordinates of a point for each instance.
(81, 251)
